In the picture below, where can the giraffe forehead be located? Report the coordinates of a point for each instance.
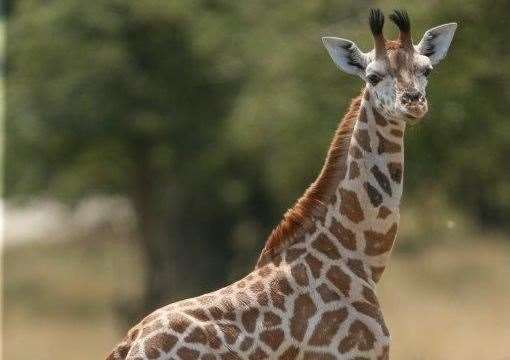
(403, 62)
(399, 63)
(399, 59)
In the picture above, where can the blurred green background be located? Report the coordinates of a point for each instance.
(152, 145)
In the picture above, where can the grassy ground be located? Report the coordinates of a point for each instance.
(59, 299)
(441, 302)
(449, 303)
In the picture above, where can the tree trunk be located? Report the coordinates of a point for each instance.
(153, 240)
(186, 251)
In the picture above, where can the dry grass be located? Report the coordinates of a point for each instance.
(58, 299)
(449, 303)
(44, 338)
(441, 302)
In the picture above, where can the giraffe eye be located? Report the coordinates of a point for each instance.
(373, 79)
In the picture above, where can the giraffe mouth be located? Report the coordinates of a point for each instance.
(412, 117)
(415, 111)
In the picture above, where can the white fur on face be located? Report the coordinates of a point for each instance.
(397, 78)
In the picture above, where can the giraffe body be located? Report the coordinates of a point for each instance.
(312, 294)
(314, 300)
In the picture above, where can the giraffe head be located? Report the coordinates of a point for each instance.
(395, 71)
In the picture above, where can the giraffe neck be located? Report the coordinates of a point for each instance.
(361, 218)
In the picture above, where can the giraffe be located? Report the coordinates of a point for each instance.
(312, 294)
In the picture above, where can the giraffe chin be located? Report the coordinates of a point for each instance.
(413, 119)
(414, 114)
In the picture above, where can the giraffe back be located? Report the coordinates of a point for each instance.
(283, 310)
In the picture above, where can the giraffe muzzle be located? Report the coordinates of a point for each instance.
(414, 105)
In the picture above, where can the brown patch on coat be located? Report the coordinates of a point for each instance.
(363, 139)
(374, 195)
(216, 312)
(353, 170)
(357, 267)
(359, 336)
(355, 152)
(197, 335)
(378, 243)
(326, 247)
(339, 279)
(188, 354)
(178, 323)
(262, 299)
(246, 343)
(387, 146)
(290, 354)
(395, 170)
(271, 319)
(293, 254)
(383, 212)
(350, 206)
(363, 114)
(249, 319)
(326, 294)
(272, 338)
(345, 236)
(304, 308)
(316, 355)
(314, 264)
(379, 119)
(198, 314)
(161, 342)
(278, 287)
(230, 332)
(327, 327)
(382, 179)
(299, 274)
(258, 354)
(212, 336)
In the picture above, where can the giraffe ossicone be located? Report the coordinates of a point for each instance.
(312, 293)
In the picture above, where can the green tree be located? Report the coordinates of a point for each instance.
(113, 97)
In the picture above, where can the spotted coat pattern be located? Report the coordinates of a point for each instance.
(316, 298)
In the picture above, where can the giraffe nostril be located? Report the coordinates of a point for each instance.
(412, 96)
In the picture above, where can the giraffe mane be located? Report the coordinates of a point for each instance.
(313, 204)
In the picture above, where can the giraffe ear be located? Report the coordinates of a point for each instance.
(346, 55)
(436, 41)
